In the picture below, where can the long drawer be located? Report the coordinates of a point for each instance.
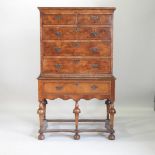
(76, 65)
(78, 87)
(76, 48)
(80, 19)
(76, 33)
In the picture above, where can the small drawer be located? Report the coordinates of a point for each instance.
(78, 87)
(59, 19)
(77, 66)
(90, 33)
(59, 33)
(57, 48)
(76, 48)
(94, 19)
(50, 33)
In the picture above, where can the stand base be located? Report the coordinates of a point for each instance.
(77, 136)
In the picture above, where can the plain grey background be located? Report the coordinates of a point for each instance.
(134, 67)
(134, 41)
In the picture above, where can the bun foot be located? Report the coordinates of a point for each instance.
(41, 136)
(76, 137)
(111, 137)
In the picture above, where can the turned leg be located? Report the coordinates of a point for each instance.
(76, 111)
(108, 102)
(112, 112)
(45, 122)
(45, 103)
(42, 116)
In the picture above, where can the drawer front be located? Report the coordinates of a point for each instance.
(59, 33)
(83, 66)
(93, 48)
(79, 33)
(94, 33)
(59, 19)
(94, 19)
(77, 87)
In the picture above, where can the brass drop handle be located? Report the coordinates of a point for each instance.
(94, 34)
(58, 34)
(58, 66)
(76, 61)
(94, 87)
(95, 65)
(76, 44)
(57, 49)
(59, 87)
(94, 49)
(94, 17)
(58, 17)
(77, 29)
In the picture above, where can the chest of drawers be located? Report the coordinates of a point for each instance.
(76, 62)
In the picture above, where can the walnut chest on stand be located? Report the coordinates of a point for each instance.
(76, 63)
